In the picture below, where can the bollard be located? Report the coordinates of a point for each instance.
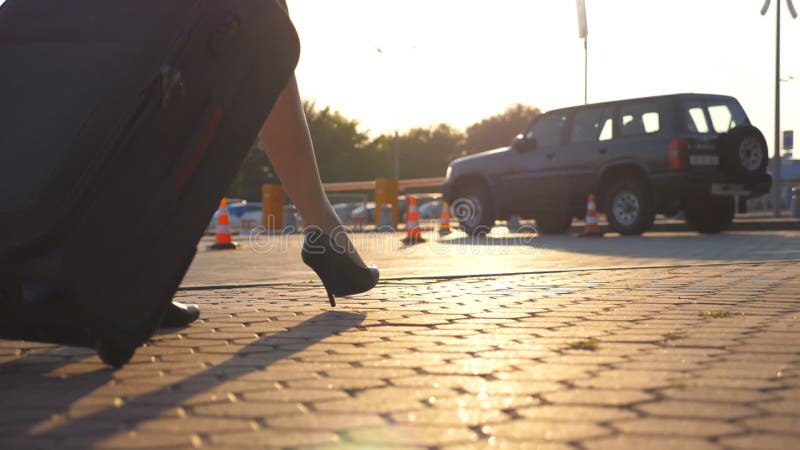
(386, 218)
(796, 202)
(289, 222)
(386, 191)
(272, 198)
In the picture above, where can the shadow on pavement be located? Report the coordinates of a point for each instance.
(155, 403)
(35, 396)
(751, 246)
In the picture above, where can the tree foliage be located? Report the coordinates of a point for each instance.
(425, 152)
(341, 148)
(345, 153)
(256, 171)
(498, 130)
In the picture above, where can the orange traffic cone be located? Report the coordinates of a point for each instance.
(592, 228)
(444, 222)
(223, 240)
(413, 231)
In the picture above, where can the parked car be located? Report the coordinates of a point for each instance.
(422, 200)
(666, 154)
(343, 211)
(431, 209)
(364, 214)
(243, 217)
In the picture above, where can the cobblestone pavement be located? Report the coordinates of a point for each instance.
(683, 357)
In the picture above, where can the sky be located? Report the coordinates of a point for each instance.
(458, 61)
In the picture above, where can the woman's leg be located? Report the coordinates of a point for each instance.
(288, 145)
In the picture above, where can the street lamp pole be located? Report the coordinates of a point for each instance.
(776, 159)
(396, 156)
(395, 142)
(776, 172)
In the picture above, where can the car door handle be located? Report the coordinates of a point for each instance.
(551, 156)
(602, 151)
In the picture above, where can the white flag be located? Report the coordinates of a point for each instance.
(583, 29)
(792, 11)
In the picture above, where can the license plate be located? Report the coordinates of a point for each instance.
(728, 189)
(704, 160)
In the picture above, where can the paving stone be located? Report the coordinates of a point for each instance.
(336, 422)
(761, 441)
(697, 409)
(717, 395)
(649, 443)
(413, 435)
(501, 444)
(576, 413)
(274, 438)
(775, 424)
(526, 429)
(677, 427)
(608, 397)
(486, 401)
(467, 363)
(630, 379)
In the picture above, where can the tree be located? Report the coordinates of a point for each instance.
(424, 152)
(339, 145)
(498, 130)
(344, 153)
(256, 171)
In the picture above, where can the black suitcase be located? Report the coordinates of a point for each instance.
(121, 125)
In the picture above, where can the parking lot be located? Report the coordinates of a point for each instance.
(276, 258)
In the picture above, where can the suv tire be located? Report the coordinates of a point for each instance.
(744, 152)
(554, 223)
(473, 209)
(629, 207)
(713, 215)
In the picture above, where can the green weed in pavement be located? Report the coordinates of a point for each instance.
(719, 314)
(673, 335)
(586, 344)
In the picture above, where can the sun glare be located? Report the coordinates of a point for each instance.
(399, 64)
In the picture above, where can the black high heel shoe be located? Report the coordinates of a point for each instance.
(340, 275)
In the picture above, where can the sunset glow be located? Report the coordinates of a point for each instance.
(458, 61)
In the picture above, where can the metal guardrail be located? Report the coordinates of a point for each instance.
(413, 183)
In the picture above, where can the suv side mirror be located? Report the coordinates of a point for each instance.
(523, 144)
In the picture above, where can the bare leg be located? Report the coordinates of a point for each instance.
(288, 145)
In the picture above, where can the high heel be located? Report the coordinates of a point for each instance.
(340, 275)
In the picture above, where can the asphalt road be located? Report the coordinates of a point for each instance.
(269, 259)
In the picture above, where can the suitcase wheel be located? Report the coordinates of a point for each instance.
(114, 353)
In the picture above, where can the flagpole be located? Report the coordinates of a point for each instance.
(583, 33)
(586, 69)
(777, 198)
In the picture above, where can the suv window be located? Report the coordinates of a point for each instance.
(591, 125)
(696, 118)
(726, 116)
(640, 118)
(547, 130)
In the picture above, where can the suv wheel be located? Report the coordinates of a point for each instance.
(629, 207)
(554, 223)
(744, 152)
(713, 215)
(473, 210)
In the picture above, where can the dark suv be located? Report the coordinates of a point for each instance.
(686, 152)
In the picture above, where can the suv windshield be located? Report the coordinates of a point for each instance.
(547, 129)
(720, 115)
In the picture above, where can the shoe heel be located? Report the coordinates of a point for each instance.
(330, 296)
